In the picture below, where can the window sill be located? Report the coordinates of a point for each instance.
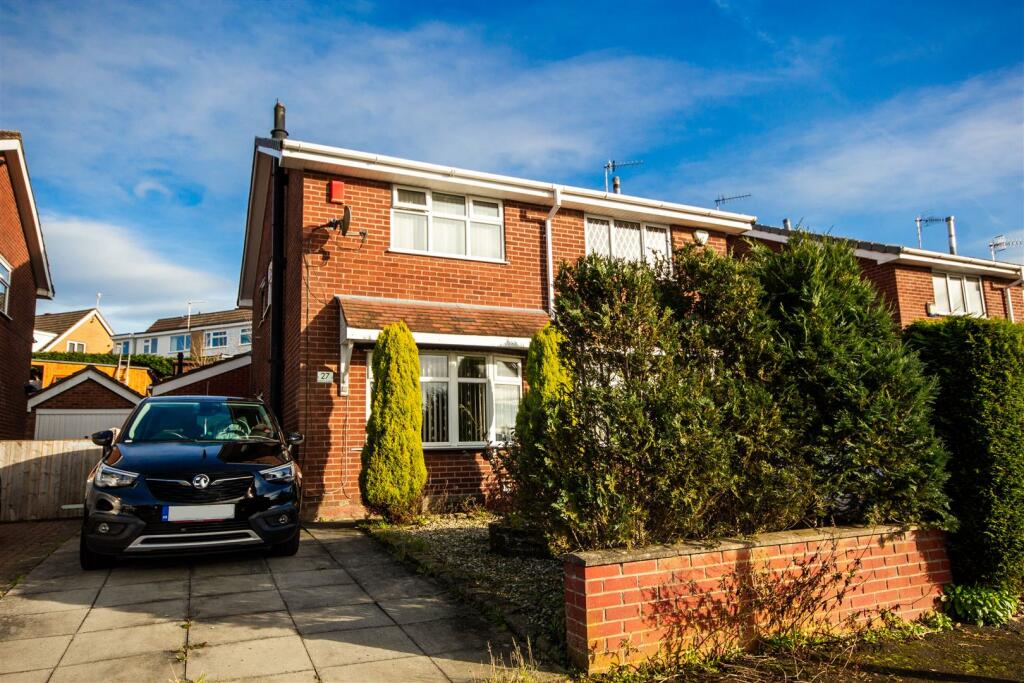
(456, 447)
(434, 254)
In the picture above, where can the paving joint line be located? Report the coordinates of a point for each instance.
(295, 625)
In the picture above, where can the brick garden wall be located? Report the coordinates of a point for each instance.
(627, 606)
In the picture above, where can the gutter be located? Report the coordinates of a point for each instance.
(557, 192)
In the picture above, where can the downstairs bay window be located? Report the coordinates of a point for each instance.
(468, 399)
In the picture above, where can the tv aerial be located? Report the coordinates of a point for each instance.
(1000, 243)
(722, 199)
(611, 166)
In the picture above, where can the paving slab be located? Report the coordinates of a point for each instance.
(315, 577)
(466, 666)
(449, 635)
(305, 597)
(338, 648)
(236, 603)
(131, 573)
(371, 573)
(249, 658)
(38, 676)
(61, 623)
(246, 565)
(112, 596)
(351, 555)
(236, 628)
(308, 676)
(416, 609)
(34, 585)
(40, 603)
(31, 653)
(300, 564)
(105, 618)
(333, 533)
(167, 637)
(340, 618)
(57, 565)
(153, 667)
(407, 669)
(234, 583)
(386, 590)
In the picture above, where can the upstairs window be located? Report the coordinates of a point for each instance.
(957, 294)
(445, 224)
(76, 347)
(216, 339)
(627, 240)
(5, 284)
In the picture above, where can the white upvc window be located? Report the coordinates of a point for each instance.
(5, 285)
(181, 342)
(245, 336)
(76, 347)
(468, 399)
(265, 290)
(957, 294)
(149, 345)
(629, 240)
(444, 224)
(216, 339)
(125, 347)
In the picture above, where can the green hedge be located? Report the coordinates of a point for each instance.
(980, 415)
(163, 367)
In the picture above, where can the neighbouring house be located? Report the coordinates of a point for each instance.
(465, 258)
(219, 334)
(78, 405)
(918, 283)
(228, 377)
(46, 372)
(24, 277)
(85, 331)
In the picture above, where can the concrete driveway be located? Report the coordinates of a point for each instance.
(342, 609)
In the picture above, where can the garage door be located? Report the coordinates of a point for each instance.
(73, 423)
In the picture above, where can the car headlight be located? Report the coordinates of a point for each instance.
(281, 474)
(108, 477)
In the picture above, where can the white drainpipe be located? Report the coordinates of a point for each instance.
(1008, 296)
(557, 190)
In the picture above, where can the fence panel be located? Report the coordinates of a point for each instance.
(39, 478)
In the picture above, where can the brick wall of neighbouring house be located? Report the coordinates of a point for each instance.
(627, 606)
(89, 394)
(16, 326)
(235, 382)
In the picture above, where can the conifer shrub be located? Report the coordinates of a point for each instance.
(979, 413)
(393, 470)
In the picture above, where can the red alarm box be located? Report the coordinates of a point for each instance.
(336, 192)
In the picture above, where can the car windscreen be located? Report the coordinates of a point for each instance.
(187, 420)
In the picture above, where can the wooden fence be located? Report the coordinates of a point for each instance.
(44, 479)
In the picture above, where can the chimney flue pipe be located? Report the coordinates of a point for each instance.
(616, 185)
(951, 226)
(278, 132)
(786, 224)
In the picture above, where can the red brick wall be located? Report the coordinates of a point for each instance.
(235, 382)
(16, 326)
(89, 394)
(627, 606)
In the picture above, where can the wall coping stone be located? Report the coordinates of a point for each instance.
(596, 558)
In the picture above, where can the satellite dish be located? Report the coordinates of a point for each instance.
(341, 223)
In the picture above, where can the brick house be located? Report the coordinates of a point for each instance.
(78, 405)
(465, 258)
(24, 277)
(919, 284)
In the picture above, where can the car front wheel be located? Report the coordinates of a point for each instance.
(91, 560)
(288, 548)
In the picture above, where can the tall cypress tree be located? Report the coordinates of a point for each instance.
(394, 472)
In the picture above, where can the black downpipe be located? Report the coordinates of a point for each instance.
(277, 270)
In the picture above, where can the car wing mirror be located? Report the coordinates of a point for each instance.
(104, 438)
(294, 438)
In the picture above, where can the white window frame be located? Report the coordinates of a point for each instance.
(963, 290)
(6, 283)
(150, 345)
(490, 379)
(644, 227)
(267, 288)
(242, 334)
(75, 346)
(188, 343)
(470, 217)
(208, 336)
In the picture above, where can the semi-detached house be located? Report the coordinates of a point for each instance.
(340, 243)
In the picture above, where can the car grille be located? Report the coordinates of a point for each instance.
(171, 528)
(230, 487)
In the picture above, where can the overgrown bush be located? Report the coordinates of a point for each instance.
(979, 605)
(980, 415)
(859, 402)
(161, 366)
(726, 397)
(393, 470)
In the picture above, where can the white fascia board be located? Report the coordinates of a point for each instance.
(200, 375)
(876, 256)
(297, 154)
(29, 214)
(356, 334)
(957, 263)
(255, 214)
(40, 340)
(105, 380)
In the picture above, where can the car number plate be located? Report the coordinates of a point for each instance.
(197, 513)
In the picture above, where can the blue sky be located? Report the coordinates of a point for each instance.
(138, 118)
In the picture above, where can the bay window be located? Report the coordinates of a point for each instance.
(447, 224)
(627, 240)
(957, 294)
(468, 399)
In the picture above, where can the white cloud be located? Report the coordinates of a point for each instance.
(140, 280)
(144, 187)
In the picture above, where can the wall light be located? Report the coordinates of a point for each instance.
(701, 237)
